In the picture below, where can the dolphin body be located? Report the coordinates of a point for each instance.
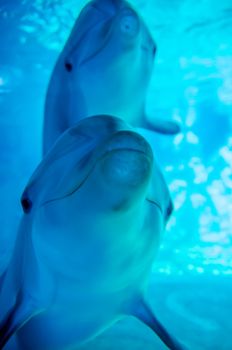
(94, 212)
(104, 68)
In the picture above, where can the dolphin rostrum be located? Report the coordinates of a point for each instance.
(94, 212)
(104, 68)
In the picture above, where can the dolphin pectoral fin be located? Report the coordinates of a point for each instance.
(143, 312)
(22, 311)
(161, 126)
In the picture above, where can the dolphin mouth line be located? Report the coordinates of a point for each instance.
(156, 204)
(147, 49)
(109, 151)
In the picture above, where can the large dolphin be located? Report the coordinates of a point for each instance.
(94, 212)
(104, 68)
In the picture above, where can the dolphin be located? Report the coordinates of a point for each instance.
(104, 68)
(94, 212)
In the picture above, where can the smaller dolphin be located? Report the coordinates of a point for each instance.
(94, 212)
(104, 68)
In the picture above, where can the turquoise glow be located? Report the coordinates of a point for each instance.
(194, 49)
(191, 83)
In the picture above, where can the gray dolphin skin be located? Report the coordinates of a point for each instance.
(104, 68)
(94, 212)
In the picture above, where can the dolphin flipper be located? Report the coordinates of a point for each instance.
(19, 302)
(22, 311)
(143, 312)
(161, 126)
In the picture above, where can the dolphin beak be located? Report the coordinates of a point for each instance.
(90, 16)
(122, 172)
(127, 160)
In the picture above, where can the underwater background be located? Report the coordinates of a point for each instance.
(191, 284)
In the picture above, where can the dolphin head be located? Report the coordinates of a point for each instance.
(100, 167)
(99, 186)
(110, 29)
(102, 145)
(100, 177)
(112, 60)
(104, 68)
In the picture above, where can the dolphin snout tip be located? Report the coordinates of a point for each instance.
(126, 168)
(130, 140)
(26, 204)
(129, 23)
(128, 160)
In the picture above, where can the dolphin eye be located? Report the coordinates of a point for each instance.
(169, 210)
(129, 23)
(26, 204)
(68, 66)
(154, 50)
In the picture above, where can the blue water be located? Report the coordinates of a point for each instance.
(192, 83)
